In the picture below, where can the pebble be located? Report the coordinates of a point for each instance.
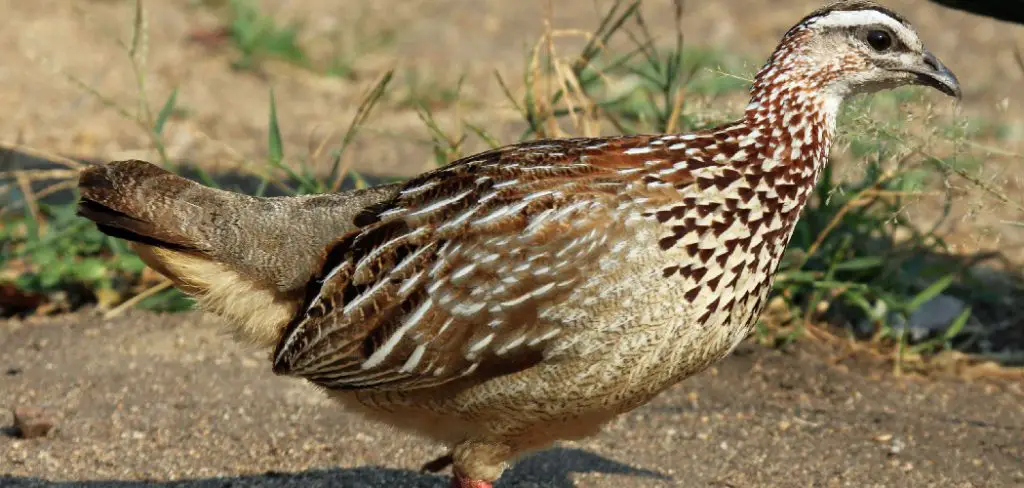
(897, 446)
(32, 422)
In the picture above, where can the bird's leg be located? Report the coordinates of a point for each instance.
(477, 463)
(460, 480)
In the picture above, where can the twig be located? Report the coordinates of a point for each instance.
(41, 154)
(849, 205)
(118, 310)
(56, 187)
(977, 182)
(31, 175)
(30, 199)
(677, 108)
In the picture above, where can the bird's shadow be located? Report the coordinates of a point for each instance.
(551, 468)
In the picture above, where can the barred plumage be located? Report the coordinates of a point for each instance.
(532, 292)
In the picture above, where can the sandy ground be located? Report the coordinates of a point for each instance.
(166, 399)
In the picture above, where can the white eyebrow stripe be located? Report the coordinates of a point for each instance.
(855, 18)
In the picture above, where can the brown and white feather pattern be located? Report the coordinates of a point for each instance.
(460, 271)
(533, 292)
(456, 270)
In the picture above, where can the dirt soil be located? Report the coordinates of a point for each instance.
(151, 399)
(167, 399)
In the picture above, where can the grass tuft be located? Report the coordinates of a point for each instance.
(257, 36)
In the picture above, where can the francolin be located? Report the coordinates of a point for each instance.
(529, 293)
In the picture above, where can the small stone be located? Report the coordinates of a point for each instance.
(32, 422)
(897, 446)
(933, 317)
(361, 437)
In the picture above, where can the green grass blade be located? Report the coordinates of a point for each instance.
(932, 291)
(860, 264)
(165, 112)
(275, 148)
(485, 136)
(508, 94)
(948, 335)
(958, 325)
(138, 30)
(366, 107)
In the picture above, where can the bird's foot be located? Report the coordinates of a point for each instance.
(460, 480)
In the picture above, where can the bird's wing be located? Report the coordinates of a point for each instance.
(452, 275)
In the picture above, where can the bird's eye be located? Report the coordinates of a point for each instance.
(879, 40)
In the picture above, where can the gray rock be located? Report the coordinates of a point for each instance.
(934, 316)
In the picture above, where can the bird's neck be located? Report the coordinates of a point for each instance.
(797, 102)
(793, 109)
(783, 99)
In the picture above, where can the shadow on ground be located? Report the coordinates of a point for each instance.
(552, 468)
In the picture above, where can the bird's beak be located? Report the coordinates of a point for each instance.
(931, 72)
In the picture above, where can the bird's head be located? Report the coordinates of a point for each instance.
(853, 47)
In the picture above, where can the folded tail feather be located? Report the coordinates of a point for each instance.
(245, 258)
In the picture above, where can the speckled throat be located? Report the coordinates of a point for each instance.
(742, 188)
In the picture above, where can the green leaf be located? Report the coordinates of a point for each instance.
(89, 270)
(171, 300)
(51, 275)
(359, 180)
(165, 112)
(861, 302)
(44, 257)
(130, 263)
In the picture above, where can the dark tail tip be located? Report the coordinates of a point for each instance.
(120, 198)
